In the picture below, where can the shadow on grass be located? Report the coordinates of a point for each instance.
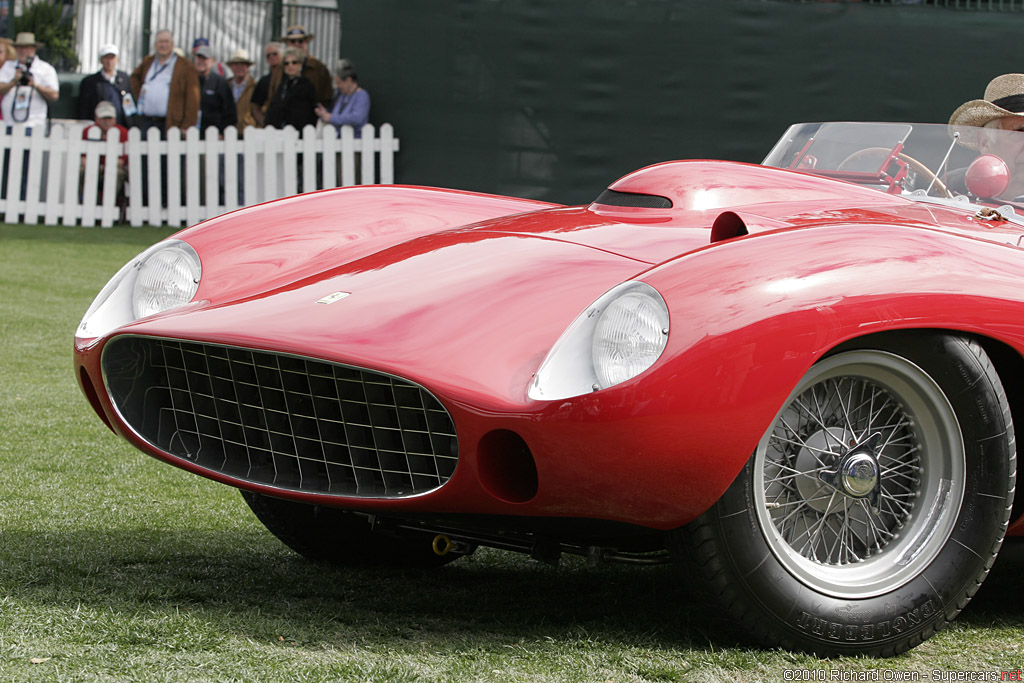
(249, 586)
(252, 587)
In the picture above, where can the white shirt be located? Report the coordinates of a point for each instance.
(156, 87)
(24, 105)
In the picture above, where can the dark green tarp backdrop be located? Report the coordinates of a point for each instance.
(554, 99)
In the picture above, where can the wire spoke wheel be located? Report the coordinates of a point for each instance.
(872, 507)
(848, 540)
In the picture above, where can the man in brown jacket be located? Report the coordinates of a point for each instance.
(166, 88)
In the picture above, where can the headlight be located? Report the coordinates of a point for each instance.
(618, 337)
(164, 276)
(168, 278)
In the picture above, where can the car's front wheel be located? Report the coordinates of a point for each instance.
(343, 538)
(873, 506)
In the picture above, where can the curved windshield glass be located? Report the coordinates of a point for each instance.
(916, 159)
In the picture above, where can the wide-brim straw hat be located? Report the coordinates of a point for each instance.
(296, 31)
(26, 39)
(240, 57)
(1004, 96)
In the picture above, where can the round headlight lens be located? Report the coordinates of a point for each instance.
(162, 277)
(168, 278)
(620, 335)
(629, 337)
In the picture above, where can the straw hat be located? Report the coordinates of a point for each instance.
(240, 57)
(26, 39)
(1004, 96)
(296, 32)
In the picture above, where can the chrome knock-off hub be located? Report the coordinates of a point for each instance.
(857, 473)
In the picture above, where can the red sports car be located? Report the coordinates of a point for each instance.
(795, 379)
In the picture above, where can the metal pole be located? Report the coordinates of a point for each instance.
(341, 26)
(276, 18)
(147, 29)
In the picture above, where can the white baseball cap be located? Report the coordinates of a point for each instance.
(109, 49)
(105, 109)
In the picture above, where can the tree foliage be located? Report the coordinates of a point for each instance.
(52, 22)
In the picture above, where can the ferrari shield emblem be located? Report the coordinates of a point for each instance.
(331, 298)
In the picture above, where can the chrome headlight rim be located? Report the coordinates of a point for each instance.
(571, 367)
(165, 279)
(116, 304)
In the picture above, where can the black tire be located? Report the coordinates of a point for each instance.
(342, 538)
(802, 563)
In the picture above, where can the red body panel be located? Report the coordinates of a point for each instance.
(264, 247)
(471, 312)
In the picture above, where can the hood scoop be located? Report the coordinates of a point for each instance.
(633, 200)
(714, 186)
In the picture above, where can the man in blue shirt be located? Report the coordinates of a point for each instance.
(166, 88)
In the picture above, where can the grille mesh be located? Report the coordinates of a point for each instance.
(290, 422)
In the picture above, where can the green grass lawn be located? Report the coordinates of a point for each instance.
(114, 566)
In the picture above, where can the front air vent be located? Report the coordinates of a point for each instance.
(634, 200)
(285, 421)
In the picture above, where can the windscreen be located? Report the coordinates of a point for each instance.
(934, 160)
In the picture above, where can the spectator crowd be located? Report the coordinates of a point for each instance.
(169, 89)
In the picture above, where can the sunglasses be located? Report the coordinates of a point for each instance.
(291, 61)
(295, 41)
(272, 54)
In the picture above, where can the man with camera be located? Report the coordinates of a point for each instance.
(26, 85)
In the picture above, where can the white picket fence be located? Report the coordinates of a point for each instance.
(45, 181)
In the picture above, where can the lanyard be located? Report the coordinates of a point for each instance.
(158, 71)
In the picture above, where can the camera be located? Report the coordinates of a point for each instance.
(24, 71)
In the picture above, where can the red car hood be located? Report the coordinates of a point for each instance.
(427, 300)
(423, 310)
(274, 245)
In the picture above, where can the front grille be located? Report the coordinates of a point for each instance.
(290, 422)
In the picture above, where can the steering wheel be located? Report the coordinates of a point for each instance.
(913, 163)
